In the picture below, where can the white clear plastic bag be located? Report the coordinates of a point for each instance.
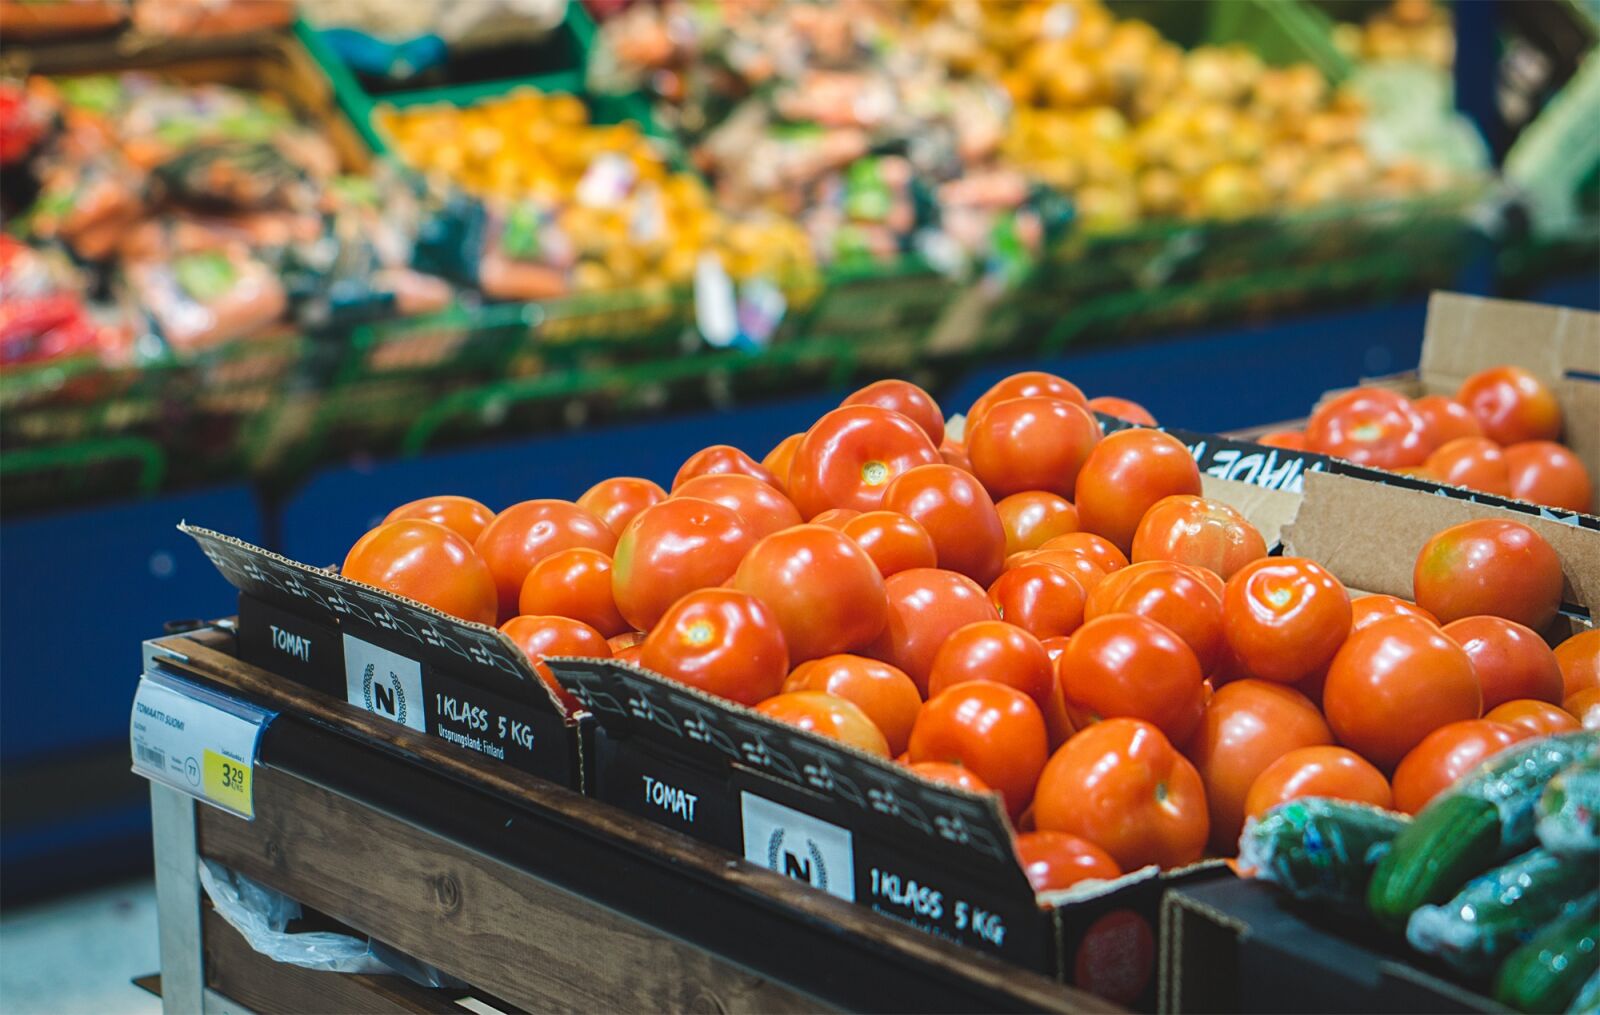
(261, 914)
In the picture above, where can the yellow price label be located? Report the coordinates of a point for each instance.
(227, 782)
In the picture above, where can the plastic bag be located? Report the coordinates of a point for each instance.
(1320, 850)
(1569, 810)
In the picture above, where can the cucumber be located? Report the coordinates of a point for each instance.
(1320, 850)
(1498, 911)
(1569, 810)
(1545, 974)
(1588, 1000)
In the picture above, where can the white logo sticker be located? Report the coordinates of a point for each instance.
(798, 846)
(384, 683)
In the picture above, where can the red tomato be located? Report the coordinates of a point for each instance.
(1097, 548)
(1083, 568)
(955, 453)
(539, 638)
(1041, 599)
(824, 590)
(573, 583)
(1489, 566)
(829, 716)
(1248, 725)
(956, 511)
(1033, 516)
(627, 639)
(908, 400)
(426, 562)
(925, 606)
(1367, 609)
(836, 518)
(1393, 683)
(1512, 405)
(1122, 785)
(1035, 443)
(1546, 473)
(1579, 659)
(1027, 384)
(461, 515)
(1122, 409)
(1170, 594)
(1335, 772)
(526, 533)
(1199, 532)
(721, 641)
(721, 459)
(1444, 756)
(672, 549)
(761, 507)
(1444, 419)
(617, 501)
(1584, 705)
(1473, 462)
(850, 456)
(1055, 860)
(1533, 718)
(885, 694)
(1369, 426)
(629, 653)
(949, 775)
(1511, 661)
(779, 459)
(1289, 440)
(894, 542)
(1124, 665)
(994, 730)
(1284, 617)
(1126, 473)
(998, 651)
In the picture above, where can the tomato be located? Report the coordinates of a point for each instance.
(1289, 440)
(1125, 665)
(426, 562)
(1041, 599)
(627, 639)
(824, 590)
(721, 641)
(1122, 785)
(573, 583)
(1546, 473)
(1393, 683)
(1055, 860)
(994, 730)
(829, 716)
(617, 501)
(526, 533)
(950, 775)
(1489, 566)
(1473, 462)
(836, 518)
(1511, 661)
(629, 653)
(908, 400)
(1579, 659)
(958, 514)
(1034, 443)
(1248, 725)
(1444, 419)
(1533, 718)
(955, 453)
(1584, 706)
(779, 459)
(893, 541)
(994, 650)
(1199, 532)
(1335, 772)
(1369, 426)
(1123, 409)
(763, 509)
(1033, 516)
(1126, 473)
(1366, 609)
(1512, 405)
(671, 549)
(721, 459)
(1284, 617)
(848, 458)
(925, 606)
(540, 637)
(885, 694)
(1097, 548)
(1170, 594)
(461, 515)
(1076, 563)
(1444, 756)
(1027, 384)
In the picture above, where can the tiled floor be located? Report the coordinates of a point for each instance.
(77, 955)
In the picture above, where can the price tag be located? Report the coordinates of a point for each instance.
(197, 740)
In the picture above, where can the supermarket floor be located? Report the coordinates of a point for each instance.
(77, 954)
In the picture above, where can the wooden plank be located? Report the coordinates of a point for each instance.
(537, 946)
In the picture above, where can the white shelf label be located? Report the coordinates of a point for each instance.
(384, 683)
(198, 741)
(798, 845)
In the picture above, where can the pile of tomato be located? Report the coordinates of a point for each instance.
(1498, 435)
(1041, 610)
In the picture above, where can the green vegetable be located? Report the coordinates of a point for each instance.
(1569, 810)
(1545, 974)
(1320, 850)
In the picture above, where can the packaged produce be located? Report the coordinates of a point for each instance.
(1548, 972)
(189, 19)
(1320, 850)
(42, 315)
(1569, 810)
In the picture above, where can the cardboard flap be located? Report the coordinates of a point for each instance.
(1268, 510)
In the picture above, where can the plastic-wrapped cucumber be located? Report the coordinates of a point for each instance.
(1545, 974)
(1500, 910)
(1569, 810)
(1588, 1000)
(1320, 850)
